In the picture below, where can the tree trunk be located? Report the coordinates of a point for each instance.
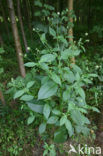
(70, 31)
(22, 27)
(28, 17)
(2, 98)
(16, 38)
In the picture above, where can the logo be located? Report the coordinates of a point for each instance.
(85, 150)
(72, 149)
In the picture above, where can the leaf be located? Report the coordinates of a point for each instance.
(44, 66)
(38, 3)
(27, 97)
(66, 94)
(52, 32)
(69, 76)
(56, 112)
(69, 127)
(1, 51)
(81, 93)
(30, 120)
(76, 117)
(60, 136)
(35, 107)
(63, 120)
(65, 54)
(47, 58)
(95, 109)
(46, 111)
(76, 68)
(56, 78)
(43, 38)
(47, 90)
(42, 128)
(77, 77)
(30, 64)
(52, 120)
(18, 94)
(30, 84)
(85, 120)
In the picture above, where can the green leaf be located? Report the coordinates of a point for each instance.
(38, 3)
(52, 120)
(30, 120)
(52, 32)
(77, 77)
(30, 64)
(46, 111)
(18, 94)
(30, 84)
(69, 76)
(56, 112)
(1, 51)
(66, 94)
(35, 107)
(47, 90)
(27, 97)
(95, 109)
(76, 68)
(42, 128)
(43, 38)
(81, 93)
(76, 117)
(85, 120)
(69, 127)
(65, 54)
(63, 120)
(55, 78)
(47, 58)
(44, 66)
(60, 136)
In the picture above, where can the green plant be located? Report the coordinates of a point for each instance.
(58, 100)
(49, 150)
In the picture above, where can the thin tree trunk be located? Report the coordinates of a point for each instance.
(16, 38)
(21, 26)
(29, 17)
(2, 98)
(70, 31)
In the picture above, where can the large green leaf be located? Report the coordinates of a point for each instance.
(47, 58)
(69, 127)
(56, 78)
(63, 120)
(35, 106)
(81, 93)
(52, 120)
(69, 76)
(76, 117)
(30, 84)
(18, 94)
(60, 136)
(30, 120)
(42, 127)
(52, 32)
(30, 64)
(46, 111)
(47, 90)
(27, 97)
